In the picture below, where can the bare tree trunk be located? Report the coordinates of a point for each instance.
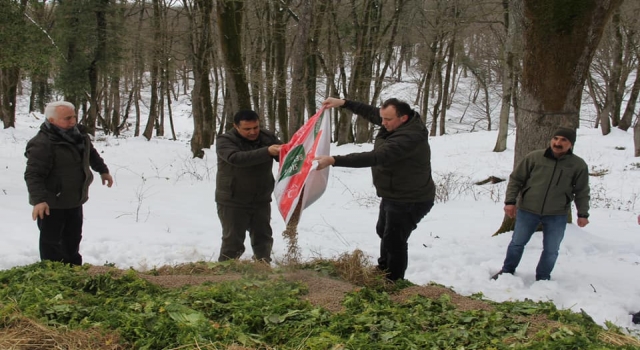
(299, 57)
(95, 68)
(201, 46)
(269, 70)
(40, 91)
(389, 50)
(367, 29)
(426, 90)
(138, 69)
(280, 49)
(173, 130)
(152, 120)
(344, 130)
(636, 138)
(436, 105)
(313, 57)
(627, 117)
(507, 80)
(9, 78)
(447, 80)
(114, 121)
(230, 19)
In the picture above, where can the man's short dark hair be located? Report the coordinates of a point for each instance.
(402, 108)
(246, 115)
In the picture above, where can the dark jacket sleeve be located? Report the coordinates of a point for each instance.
(39, 163)
(397, 147)
(581, 191)
(275, 141)
(228, 151)
(370, 113)
(517, 180)
(96, 162)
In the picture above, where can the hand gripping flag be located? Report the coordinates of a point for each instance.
(297, 168)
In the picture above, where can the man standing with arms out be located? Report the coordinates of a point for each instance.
(548, 180)
(58, 176)
(401, 168)
(244, 184)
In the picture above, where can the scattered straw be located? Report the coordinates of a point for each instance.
(21, 333)
(618, 339)
(356, 268)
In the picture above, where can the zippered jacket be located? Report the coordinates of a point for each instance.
(58, 172)
(548, 185)
(400, 160)
(244, 178)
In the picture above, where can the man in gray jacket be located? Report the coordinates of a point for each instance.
(58, 174)
(401, 169)
(548, 180)
(244, 183)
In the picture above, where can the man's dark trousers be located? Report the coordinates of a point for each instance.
(396, 221)
(60, 235)
(235, 224)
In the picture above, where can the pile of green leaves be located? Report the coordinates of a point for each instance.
(270, 313)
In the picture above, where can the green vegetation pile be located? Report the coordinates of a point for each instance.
(245, 305)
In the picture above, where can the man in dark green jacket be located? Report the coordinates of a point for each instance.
(244, 183)
(401, 168)
(547, 180)
(58, 174)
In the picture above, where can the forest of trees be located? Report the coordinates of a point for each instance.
(277, 56)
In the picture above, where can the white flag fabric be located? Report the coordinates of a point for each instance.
(297, 169)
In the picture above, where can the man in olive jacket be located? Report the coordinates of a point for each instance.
(58, 174)
(401, 169)
(244, 183)
(548, 180)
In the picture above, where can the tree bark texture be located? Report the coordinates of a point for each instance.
(230, 19)
(560, 38)
(299, 58)
(507, 79)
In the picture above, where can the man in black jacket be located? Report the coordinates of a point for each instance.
(244, 183)
(401, 167)
(58, 174)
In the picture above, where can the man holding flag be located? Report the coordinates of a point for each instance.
(401, 168)
(244, 183)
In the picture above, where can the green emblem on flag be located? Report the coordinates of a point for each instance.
(293, 162)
